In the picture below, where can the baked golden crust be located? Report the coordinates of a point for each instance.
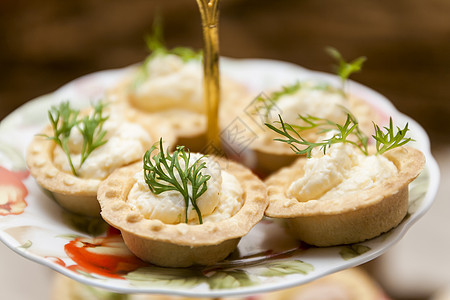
(73, 193)
(180, 245)
(78, 195)
(185, 126)
(351, 218)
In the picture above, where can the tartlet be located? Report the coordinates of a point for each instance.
(180, 245)
(270, 155)
(350, 218)
(75, 194)
(175, 100)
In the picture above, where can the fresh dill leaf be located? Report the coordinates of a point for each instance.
(389, 140)
(345, 69)
(91, 127)
(269, 102)
(186, 54)
(156, 46)
(286, 90)
(155, 41)
(383, 141)
(166, 173)
(63, 118)
(293, 138)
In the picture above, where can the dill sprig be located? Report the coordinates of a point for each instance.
(165, 173)
(91, 127)
(156, 46)
(345, 69)
(291, 132)
(63, 119)
(389, 140)
(270, 102)
(384, 141)
(285, 90)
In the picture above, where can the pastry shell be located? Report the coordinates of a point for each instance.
(187, 126)
(351, 218)
(180, 245)
(77, 195)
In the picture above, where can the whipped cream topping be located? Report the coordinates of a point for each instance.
(343, 169)
(222, 199)
(125, 143)
(171, 84)
(312, 98)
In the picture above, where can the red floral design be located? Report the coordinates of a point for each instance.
(12, 192)
(107, 256)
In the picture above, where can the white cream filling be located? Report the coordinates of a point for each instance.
(171, 84)
(222, 199)
(126, 143)
(342, 170)
(311, 99)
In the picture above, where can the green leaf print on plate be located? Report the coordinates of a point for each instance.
(352, 251)
(26, 245)
(287, 267)
(156, 276)
(229, 280)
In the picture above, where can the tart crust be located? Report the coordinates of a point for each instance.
(187, 127)
(77, 195)
(351, 218)
(180, 245)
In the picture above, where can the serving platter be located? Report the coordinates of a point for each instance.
(91, 252)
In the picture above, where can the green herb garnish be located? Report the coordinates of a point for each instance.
(63, 119)
(285, 90)
(384, 141)
(155, 44)
(389, 140)
(165, 173)
(91, 127)
(345, 69)
(269, 102)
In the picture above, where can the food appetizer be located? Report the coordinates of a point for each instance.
(78, 150)
(343, 191)
(167, 89)
(182, 209)
(315, 97)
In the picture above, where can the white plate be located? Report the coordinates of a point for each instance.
(267, 259)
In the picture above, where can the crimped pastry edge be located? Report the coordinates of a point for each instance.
(77, 195)
(194, 244)
(349, 219)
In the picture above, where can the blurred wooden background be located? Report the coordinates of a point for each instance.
(45, 44)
